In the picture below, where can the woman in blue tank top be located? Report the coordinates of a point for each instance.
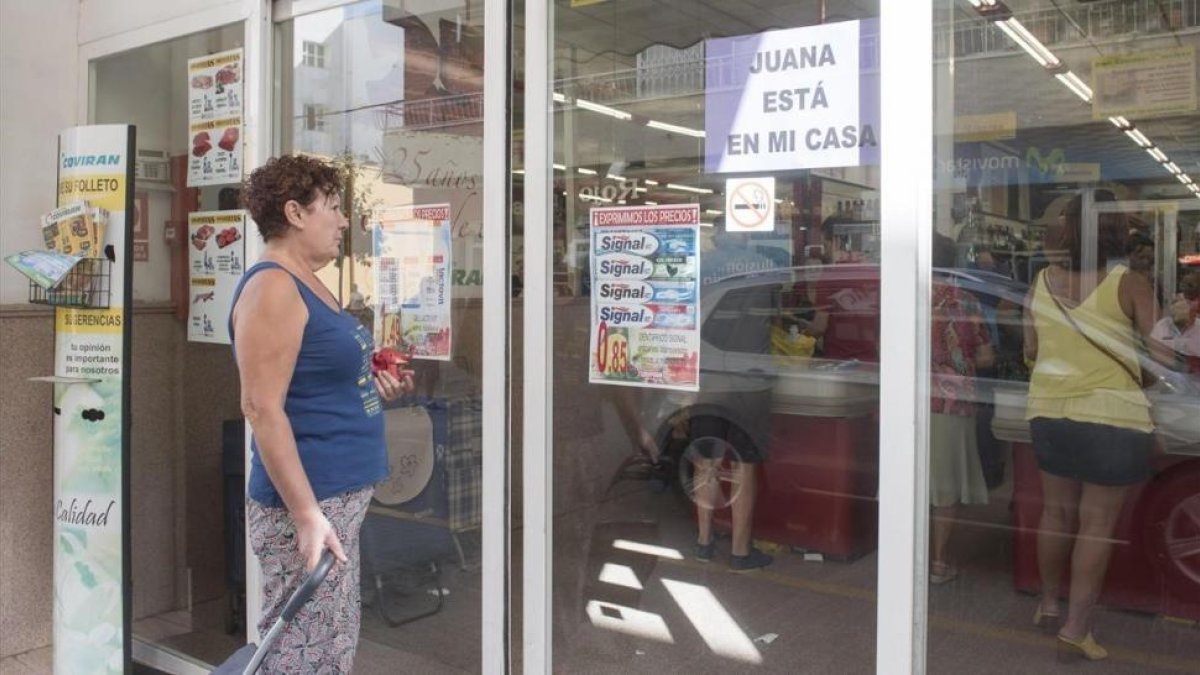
(315, 409)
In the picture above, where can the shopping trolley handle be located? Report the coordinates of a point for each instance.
(310, 585)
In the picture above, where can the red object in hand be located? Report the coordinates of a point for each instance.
(390, 360)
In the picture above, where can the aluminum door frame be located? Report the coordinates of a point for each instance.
(496, 523)
(259, 17)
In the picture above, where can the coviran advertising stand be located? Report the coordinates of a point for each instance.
(92, 599)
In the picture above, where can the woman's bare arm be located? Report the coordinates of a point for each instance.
(269, 322)
(1030, 329)
(1137, 301)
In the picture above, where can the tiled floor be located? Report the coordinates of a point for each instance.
(797, 616)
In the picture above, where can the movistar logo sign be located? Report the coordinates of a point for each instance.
(1051, 163)
(71, 161)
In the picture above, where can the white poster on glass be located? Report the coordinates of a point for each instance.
(216, 261)
(215, 94)
(645, 325)
(413, 265)
(800, 98)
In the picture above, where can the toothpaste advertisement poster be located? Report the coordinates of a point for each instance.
(215, 118)
(216, 260)
(413, 265)
(645, 270)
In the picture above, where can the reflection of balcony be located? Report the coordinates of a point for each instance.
(1097, 21)
(627, 86)
(431, 113)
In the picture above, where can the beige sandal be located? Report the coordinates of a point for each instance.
(942, 573)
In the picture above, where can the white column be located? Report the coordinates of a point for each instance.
(907, 197)
(496, 336)
(539, 323)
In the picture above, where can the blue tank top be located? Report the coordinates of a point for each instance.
(332, 405)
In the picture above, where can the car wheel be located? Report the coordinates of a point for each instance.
(706, 456)
(1174, 523)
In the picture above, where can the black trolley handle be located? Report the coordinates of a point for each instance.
(294, 603)
(310, 585)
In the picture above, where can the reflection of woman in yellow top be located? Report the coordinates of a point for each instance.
(1089, 419)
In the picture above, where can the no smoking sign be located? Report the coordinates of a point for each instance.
(750, 205)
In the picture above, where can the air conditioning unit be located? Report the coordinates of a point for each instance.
(153, 166)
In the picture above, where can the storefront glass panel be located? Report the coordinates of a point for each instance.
(716, 248)
(1066, 256)
(188, 565)
(396, 98)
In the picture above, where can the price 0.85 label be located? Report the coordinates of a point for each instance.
(612, 351)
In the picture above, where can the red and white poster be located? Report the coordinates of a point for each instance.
(646, 296)
(215, 118)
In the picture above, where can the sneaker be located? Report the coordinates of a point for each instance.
(704, 552)
(753, 560)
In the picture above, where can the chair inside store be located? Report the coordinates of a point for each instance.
(406, 536)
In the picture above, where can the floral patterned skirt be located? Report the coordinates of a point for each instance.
(324, 635)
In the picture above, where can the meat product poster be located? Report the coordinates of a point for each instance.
(412, 280)
(215, 119)
(645, 270)
(216, 260)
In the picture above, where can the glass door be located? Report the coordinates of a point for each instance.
(703, 183)
(188, 569)
(1063, 495)
(395, 94)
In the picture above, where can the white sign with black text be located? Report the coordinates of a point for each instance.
(793, 99)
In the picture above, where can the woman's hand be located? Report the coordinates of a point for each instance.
(314, 534)
(390, 388)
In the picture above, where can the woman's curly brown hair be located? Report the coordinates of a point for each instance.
(282, 179)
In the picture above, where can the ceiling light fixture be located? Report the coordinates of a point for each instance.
(688, 188)
(1157, 154)
(1027, 41)
(586, 172)
(686, 131)
(1138, 137)
(602, 109)
(1120, 123)
(1076, 85)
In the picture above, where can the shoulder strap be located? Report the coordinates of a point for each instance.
(1071, 320)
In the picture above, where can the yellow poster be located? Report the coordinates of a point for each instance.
(1145, 84)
